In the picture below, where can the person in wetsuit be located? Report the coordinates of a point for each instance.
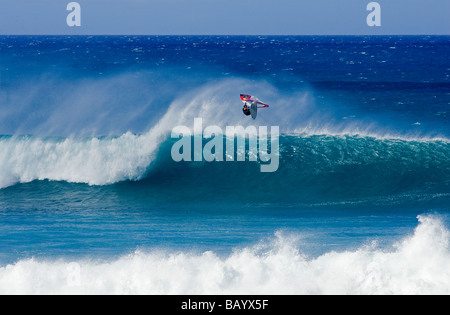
(246, 110)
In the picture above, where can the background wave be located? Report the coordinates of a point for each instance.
(321, 148)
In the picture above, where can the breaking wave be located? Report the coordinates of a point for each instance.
(313, 152)
(94, 161)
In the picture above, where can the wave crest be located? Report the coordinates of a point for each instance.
(95, 161)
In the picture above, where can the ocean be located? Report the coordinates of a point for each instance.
(93, 202)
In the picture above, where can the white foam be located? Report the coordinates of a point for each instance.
(419, 264)
(94, 161)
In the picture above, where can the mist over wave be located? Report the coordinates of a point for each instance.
(418, 264)
(105, 160)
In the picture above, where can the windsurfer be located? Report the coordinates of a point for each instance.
(246, 110)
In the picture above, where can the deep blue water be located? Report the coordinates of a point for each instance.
(87, 178)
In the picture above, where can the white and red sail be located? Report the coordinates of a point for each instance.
(252, 99)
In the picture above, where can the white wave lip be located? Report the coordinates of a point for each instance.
(93, 161)
(419, 264)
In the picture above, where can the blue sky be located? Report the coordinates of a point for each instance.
(225, 17)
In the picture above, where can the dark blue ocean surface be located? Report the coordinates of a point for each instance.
(92, 201)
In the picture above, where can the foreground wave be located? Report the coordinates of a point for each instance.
(418, 264)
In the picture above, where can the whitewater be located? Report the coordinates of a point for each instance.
(418, 264)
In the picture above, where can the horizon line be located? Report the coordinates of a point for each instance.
(235, 35)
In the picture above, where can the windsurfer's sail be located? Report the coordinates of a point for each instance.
(252, 99)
